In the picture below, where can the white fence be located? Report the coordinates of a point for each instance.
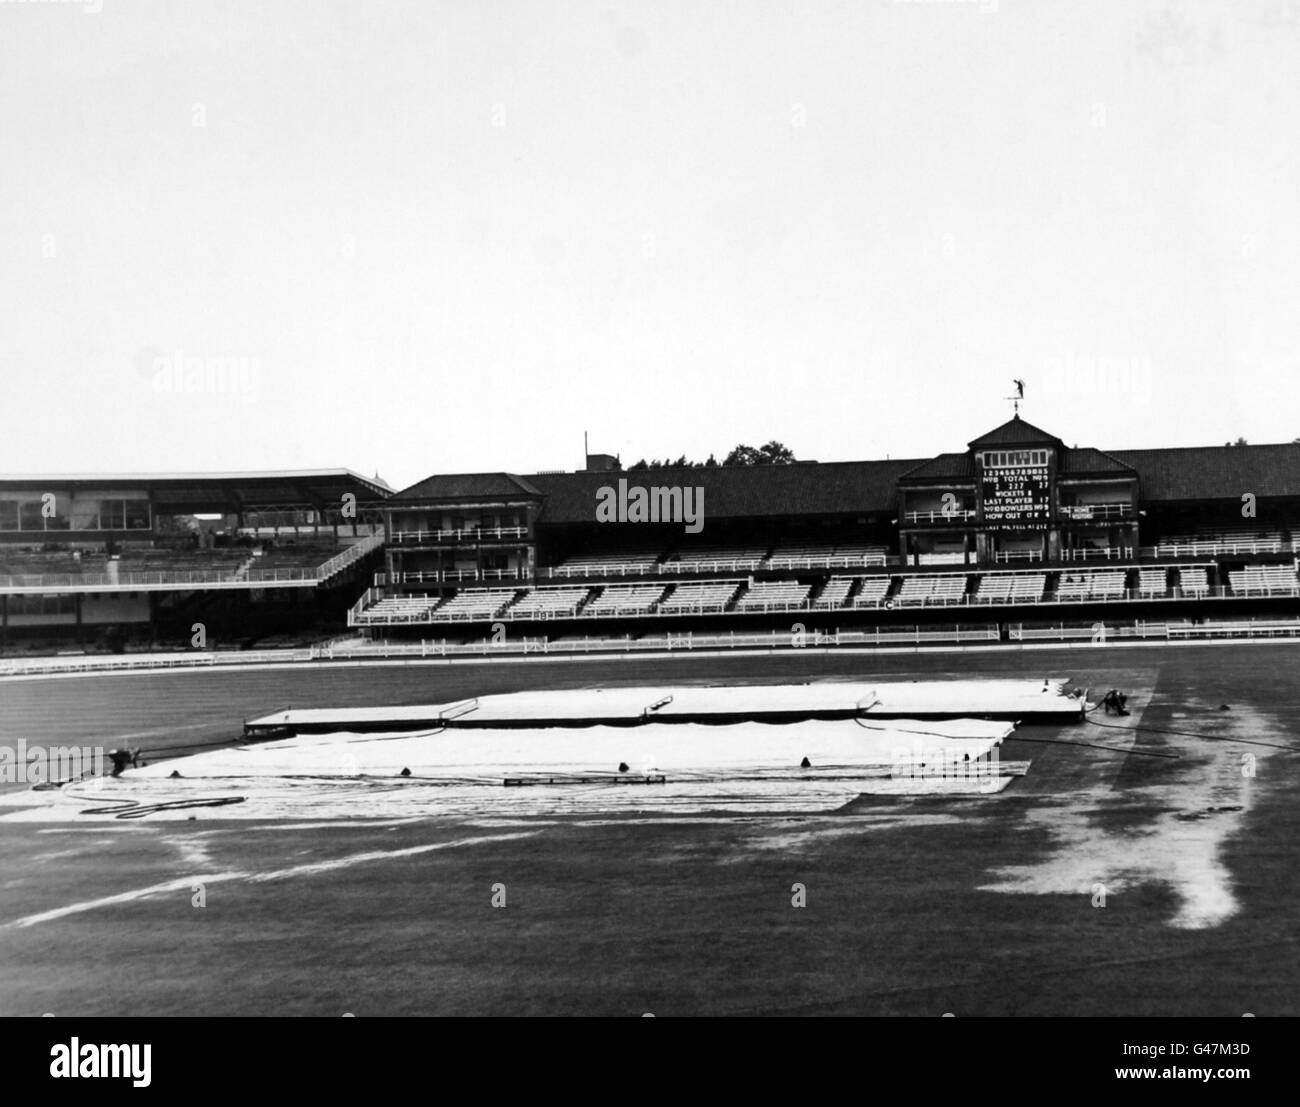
(1099, 633)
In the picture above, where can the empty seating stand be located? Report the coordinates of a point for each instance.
(31, 568)
(399, 609)
(620, 563)
(1152, 583)
(932, 590)
(780, 595)
(1193, 580)
(824, 555)
(625, 599)
(714, 559)
(1264, 580)
(473, 603)
(873, 591)
(1011, 588)
(1104, 584)
(548, 603)
(300, 555)
(700, 596)
(835, 592)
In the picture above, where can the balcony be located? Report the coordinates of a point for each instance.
(474, 535)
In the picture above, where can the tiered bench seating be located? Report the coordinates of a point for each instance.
(705, 559)
(1099, 585)
(473, 603)
(300, 555)
(931, 590)
(1264, 580)
(399, 609)
(711, 595)
(834, 593)
(779, 594)
(609, 563)
(1152, 582)
(626, 599)
(548, 603)
(825, 555)
(1011, 588)
(873, 591)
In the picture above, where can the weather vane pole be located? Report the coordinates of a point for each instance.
(1020, 395)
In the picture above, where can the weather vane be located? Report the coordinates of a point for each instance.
(1020, 394)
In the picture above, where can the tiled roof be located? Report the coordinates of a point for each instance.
(1014, 432)
(1215, 472)
(740, 491)
(943, 467)
(1088, 460)
(863, 487)
(468, 486)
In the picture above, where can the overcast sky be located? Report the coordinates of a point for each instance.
(438, 237)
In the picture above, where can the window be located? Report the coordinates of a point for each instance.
(29, 515)
(1014, 459)
(85, 514)
(137, 514)
(112, 515)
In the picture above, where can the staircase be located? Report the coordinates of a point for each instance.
(350, 556)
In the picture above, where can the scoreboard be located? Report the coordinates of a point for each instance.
(1018, 497)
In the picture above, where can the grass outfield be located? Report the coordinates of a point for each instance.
(919, 906)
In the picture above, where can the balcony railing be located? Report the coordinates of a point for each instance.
(126, 582)
(775, 563)
(442, 576)
(714, 565)
(825, 561)
(462, 534)
(1218, 547)
(952, 515)
(1098, 553)
(610, 569)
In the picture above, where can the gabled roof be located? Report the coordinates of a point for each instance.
(1015, 432)
(1216, 472)
(739, 491)
(469, 486)
(944, 467)
(1088, 460)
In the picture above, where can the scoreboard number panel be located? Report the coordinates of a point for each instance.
(1017, 497)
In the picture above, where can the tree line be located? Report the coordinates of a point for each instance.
(772, 453)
